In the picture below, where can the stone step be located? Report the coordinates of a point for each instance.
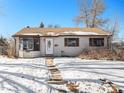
(50, 64)
(55, 72)
(50, 68)
(56, 76)
(55, 79)
(49, 60)
(56, 82)
(62, 91)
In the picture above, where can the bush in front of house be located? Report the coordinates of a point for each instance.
(3, 45)
(11, 48)
(7, 47)
(102, 53)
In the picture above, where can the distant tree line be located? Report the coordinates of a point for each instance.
(49, 26)
(3, 45)
(3, 41)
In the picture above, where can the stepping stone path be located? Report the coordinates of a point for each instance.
(55, 75)
(56, 78)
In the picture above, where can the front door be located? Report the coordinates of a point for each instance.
(49, 46)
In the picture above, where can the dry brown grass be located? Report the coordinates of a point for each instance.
(11, 52)
(102, 53)
(72, 87)
(11, 49)
(121, 55)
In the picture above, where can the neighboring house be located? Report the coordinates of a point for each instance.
(37, 42)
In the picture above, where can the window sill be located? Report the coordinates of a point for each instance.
(71, 46)
(31, 50)
(96, 46)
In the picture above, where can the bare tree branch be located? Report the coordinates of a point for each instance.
(90, 12)
(115, 29)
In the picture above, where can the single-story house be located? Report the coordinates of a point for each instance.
(37, 42)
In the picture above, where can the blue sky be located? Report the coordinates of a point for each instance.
(17, 14)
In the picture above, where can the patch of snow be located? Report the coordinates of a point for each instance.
(79, 33)
(75, 69)
(23, 75)
(51, 33)
(30, 75)
(35, 34)
(63, 33)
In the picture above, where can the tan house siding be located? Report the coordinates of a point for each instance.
(43, 46)
(31, 54)
(62, 50)
(59, 48)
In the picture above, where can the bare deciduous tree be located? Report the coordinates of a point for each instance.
(54, 26)
(115, 29)
(50, 26)
(57, 26)
(90, 13)
(11, 47)
(41, 25)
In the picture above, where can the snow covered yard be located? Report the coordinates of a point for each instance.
(30, 75)
(75, 69)
(23, 75)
